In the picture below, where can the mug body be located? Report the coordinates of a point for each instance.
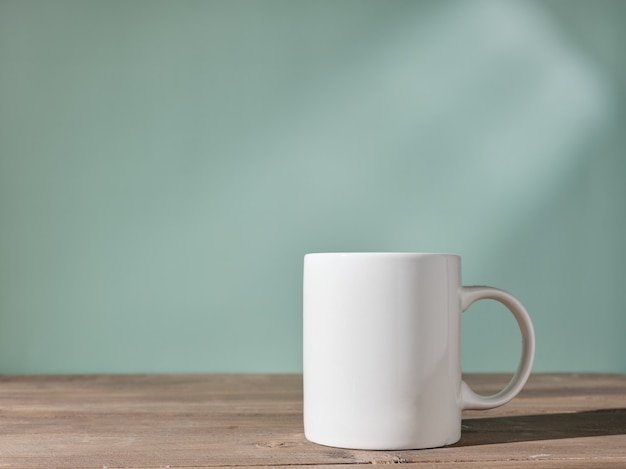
(381, 358)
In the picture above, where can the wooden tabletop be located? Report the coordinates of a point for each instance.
(159, 421)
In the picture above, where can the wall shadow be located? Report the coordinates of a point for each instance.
(495, 430)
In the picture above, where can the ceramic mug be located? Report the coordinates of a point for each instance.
(382, 351)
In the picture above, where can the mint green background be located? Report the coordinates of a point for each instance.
(164, 167)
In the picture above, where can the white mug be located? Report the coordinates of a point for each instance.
(382, 352)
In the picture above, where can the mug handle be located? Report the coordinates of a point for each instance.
(471, 400)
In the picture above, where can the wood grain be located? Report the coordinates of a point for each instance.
(142, 421)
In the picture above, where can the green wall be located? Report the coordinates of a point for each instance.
(165, 165)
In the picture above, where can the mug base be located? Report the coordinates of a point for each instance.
(381, 446)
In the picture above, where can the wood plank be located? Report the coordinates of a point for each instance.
(256, 420)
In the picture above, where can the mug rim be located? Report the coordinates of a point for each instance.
(381, 254)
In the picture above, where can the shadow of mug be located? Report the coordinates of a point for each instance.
(519, 428)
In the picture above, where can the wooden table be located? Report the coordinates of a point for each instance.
(110, 421)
